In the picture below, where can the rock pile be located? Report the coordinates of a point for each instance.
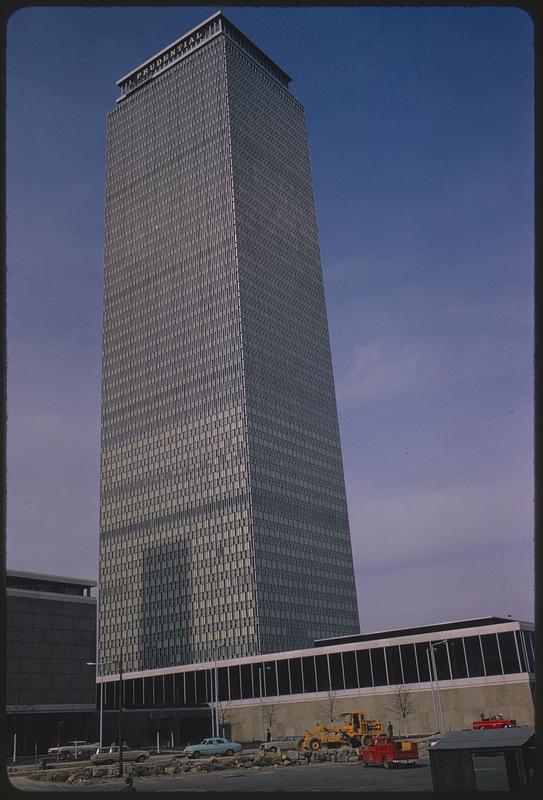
(254, 760)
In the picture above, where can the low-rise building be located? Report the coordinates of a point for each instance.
(452, 673)
(50, 637)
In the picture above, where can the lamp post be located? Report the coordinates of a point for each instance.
(120, 717)
(95, 664)
(119, 664)
(61, 722)
(430, 673)
(219, 651)
(441, 720)
(216, 678)
(261, 706)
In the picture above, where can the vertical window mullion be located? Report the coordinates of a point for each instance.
(499, 652)
(356, 668)
(482, 654)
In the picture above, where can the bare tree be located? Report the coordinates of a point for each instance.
(331, 704)
(401, 706)
(225, 715)
(270, 713)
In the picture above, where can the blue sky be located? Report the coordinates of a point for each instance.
(421, 134)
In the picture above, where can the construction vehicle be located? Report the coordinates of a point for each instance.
(389, 752)
(354, 731)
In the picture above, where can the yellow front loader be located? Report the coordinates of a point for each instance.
(354, 731)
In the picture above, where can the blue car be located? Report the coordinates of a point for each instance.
(212, 747)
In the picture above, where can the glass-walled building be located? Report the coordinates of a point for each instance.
(489, 663)
(223, 523)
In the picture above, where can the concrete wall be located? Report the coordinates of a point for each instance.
(461, 706)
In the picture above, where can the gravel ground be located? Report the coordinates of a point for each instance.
(327, 776)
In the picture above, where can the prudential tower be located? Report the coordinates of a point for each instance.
(224, 528)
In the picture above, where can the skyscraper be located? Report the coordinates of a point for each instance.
(224, 528)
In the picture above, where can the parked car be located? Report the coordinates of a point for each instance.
(109, 755)
(490, 723)
(282, 743)
(212, 747)
(73, 749)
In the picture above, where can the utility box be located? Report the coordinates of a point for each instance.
(484, 760)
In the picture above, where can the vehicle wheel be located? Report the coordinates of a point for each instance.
(314, 744)
(386, 763)
(229, 752)
(140, 759)
(273, 749)
(196, 754)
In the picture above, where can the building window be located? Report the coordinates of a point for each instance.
(179, 688)
(508, 651)
(457, 658)
(394, 667)
(491, 654)
(128, 693)
(442, 662)
(377, 656)
(190, 689)
(158, 681)
(474, 656)
(222, 680)
(235, 685)
(202, 680)
(364, 668)
(308, 666)
(349, 667)
(296, 684)
(528, 640)
(138, 692)
(323, 682)
(149, 692)
(421, 650)
(283, 686)
(520, 650)
(246, 682)
(270, 680)
(336, 671)
(409, 663)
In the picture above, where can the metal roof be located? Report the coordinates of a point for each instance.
(484, 739)
(434, 628)
(41, 576)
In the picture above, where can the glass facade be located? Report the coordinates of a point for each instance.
(223, 529)
(352, 669)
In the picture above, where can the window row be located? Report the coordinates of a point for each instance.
(503, 653)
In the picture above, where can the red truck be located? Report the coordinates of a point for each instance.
(486, 723)
(389, 752)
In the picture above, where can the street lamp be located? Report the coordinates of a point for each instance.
(440, 719)
(119, 664)
(268, 669)
(219, 651)
(61, 722)
(95, 664)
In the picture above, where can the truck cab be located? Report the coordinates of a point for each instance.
(389, 752)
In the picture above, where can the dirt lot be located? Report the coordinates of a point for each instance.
(326, 776)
